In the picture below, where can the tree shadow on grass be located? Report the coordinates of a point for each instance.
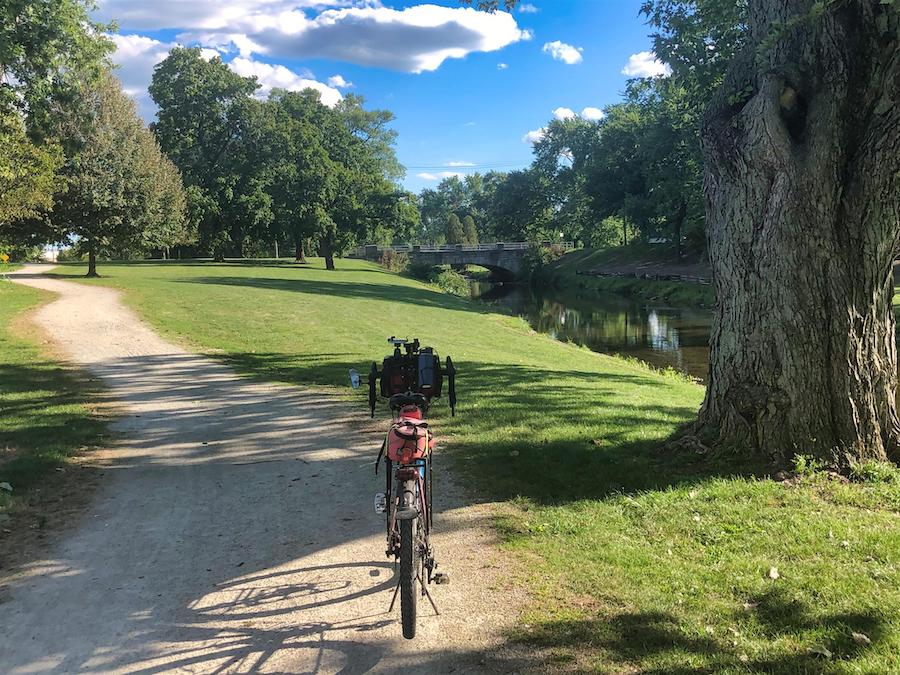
(386, 292)
(551, 435)
(656, 642)
(43, 419)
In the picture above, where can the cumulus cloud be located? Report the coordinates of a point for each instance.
(439, 176)
(528, 8)
(645, 64)
(534, 135)
(593, 114)
(564, 113)
(502, 66)
(563, 52)
(203, 14)
(273, 76)
(458, 163)
(415, 39)
(339, 82)
(136, 56)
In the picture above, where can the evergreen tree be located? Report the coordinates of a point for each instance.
(455, 232)
(470, 232)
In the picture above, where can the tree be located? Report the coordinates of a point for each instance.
(304, 176)
(802, 177)
(48, 50)
(470, 232)
(455, 232)
(203, 108)
(118, 187)
(28, 172)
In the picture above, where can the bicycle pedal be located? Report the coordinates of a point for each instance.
(441, 578)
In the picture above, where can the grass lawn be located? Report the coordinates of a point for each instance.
(46, 413)
(637, 559)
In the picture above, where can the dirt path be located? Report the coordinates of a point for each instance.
(233, 531)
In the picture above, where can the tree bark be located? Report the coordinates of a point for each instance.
(92, 259)
(298, 251)
(328, 252)
(802, 187)
(677, 225)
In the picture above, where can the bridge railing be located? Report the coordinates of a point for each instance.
(372, 250)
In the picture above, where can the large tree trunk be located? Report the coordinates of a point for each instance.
(92, 259)
(802, 149)
(328, 252)
(677, 226)
(298, 250)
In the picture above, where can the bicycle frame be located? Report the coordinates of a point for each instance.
(409, 379)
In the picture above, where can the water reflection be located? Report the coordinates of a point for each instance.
(662, 336)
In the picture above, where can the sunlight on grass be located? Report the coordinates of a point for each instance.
(638, 559)
(46, 414)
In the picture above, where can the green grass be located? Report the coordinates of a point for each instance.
(46, 412)
(637, 559)
(563, 273)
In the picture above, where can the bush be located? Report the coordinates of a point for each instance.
(422, 271)
(538, 257)
(394, 261)
(453, 282)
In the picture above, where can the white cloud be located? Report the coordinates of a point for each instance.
(469, 124)
(502, 66)
(534, 136)
(415, 39)
(645, 64)
(439, 176)
(203, 14)
(528, 8)
(339, 82)
(271, 77)
(564, 113)
(135, 56)
(460, 164)
(563, 52)
(593, 114)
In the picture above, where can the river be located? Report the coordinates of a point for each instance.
(663, 336)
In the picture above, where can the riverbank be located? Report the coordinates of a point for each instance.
(633, 271)
(636, 558)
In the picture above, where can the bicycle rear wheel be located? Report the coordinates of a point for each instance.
(409, 583)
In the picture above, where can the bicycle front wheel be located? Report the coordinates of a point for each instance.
(409, 582)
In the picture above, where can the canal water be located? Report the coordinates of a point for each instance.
(663, 336)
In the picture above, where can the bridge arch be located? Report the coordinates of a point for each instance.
(505, 259)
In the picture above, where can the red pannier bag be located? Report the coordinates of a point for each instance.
(408, 440)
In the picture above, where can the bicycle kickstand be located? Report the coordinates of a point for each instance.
(430, 599)
(394, 598)
(425, 591)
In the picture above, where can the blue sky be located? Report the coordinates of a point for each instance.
(468, 89)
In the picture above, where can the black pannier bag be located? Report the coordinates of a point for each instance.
(429, 376)
(420, 373)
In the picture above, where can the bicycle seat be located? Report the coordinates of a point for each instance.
(397, 401)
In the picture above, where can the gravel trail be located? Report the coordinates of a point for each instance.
(233, 530)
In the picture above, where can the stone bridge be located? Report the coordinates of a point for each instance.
(504, 259)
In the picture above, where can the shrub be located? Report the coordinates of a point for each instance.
(394, 261)
(453, 282)
(422, 271)
(538, 257)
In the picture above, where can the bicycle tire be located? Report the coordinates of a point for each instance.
(408, 581)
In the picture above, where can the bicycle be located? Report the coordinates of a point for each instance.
(409, 379)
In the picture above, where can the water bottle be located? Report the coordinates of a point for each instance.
(380, 502)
